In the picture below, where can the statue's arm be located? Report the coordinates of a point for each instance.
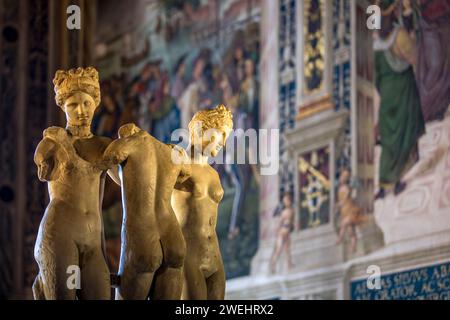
(180, 157)
(116, 153)
(45, 159)
(185, 174)
(119, 150)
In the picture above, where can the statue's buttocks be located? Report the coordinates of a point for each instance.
(153, 248)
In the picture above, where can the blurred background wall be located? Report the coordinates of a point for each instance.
(306, 68)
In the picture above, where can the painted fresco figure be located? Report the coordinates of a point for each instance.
(283, 234)
(196, 201)
(70, 236)
(149, 94)
(190, 99)
(433, 64)
(179, 83)
(106, 122)
(153, 247)
(234, 170)
(237, 173)
(248, 95)
(166, 115)
(401, 122)
(350, 213)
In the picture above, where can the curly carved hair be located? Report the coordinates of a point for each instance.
(74, 80)
(215, 118)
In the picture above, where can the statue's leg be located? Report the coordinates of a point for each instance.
(194, 281)
(134, 286)
(216, 285)
(56, 259)
(168, 282)
(95, 278)
(38, 290)
(137, 271)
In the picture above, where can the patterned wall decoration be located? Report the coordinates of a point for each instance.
(365, 139)
(36, 118)
(314, 46)
(314, 187)
(287, 37)
(341, 76)
(9, 48)
(341, 54)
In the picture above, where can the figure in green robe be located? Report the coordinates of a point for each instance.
(401, 122)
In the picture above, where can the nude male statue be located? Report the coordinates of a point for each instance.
(153, 247)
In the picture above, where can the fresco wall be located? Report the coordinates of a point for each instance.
(363, 120)
(185, 56)
(364, 154)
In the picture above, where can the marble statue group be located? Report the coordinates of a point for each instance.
(169, 245)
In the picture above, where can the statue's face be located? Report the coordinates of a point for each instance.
(79, 109)
(213, 140)
(210, 142)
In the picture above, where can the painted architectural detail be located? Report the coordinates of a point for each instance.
(314, 46)
(341, 54)
(341, 76)
(287, 37)
(364, 122)
(314, 185)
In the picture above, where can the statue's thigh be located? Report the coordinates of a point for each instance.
(195, 282)
(216, 285)
(173, 246)
(58, 262)
(95, 278)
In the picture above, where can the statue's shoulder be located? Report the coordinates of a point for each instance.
(129, 130)
(179, 153)
(55, 133)
(51, 137)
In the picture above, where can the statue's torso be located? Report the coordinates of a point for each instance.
(196, 205)
(74, 206)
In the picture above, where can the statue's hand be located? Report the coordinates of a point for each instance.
(118, 150)
(114, 159)
(114, 155)
(127, 130)
(45, 170)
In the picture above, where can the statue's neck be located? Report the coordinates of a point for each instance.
(79, 131)
(198, 157)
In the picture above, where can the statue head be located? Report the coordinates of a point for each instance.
(77, 93)
(209, 129)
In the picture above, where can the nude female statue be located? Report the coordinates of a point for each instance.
(70, 233)
(195, 202)
(153, 248)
